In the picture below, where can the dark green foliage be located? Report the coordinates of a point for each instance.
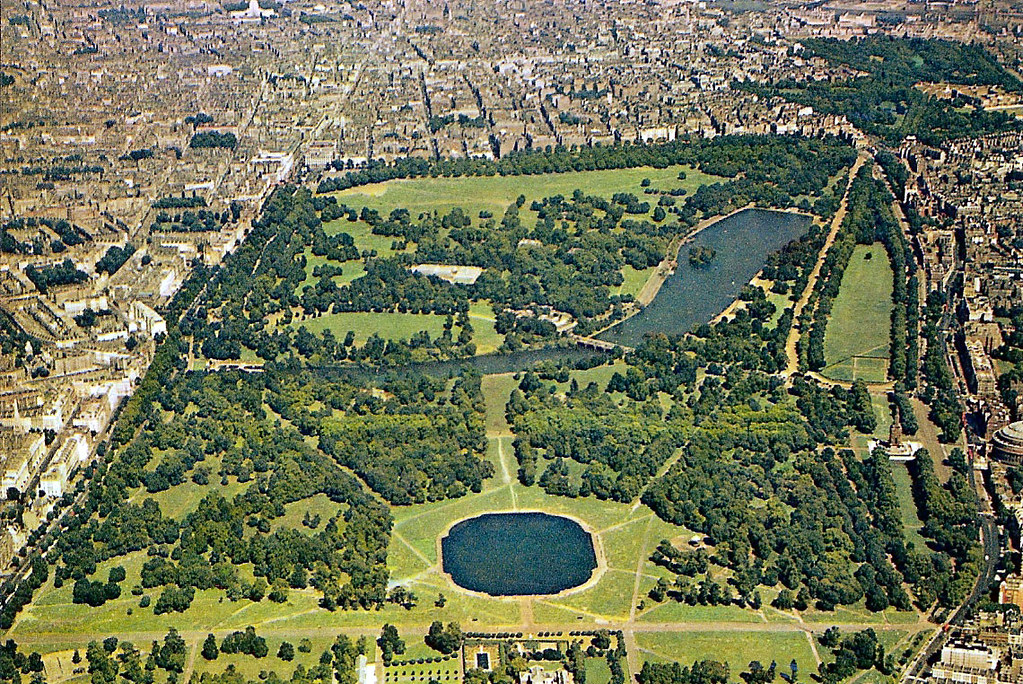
(114, 259)
(247, 642)
(701, 672)
(444, 639)
(916, 59)
(171, 654)
(213, 139)
(861, 409)
(859, 651)
(172, 202)
(949, 513)
(885, 102)
(174, 600)
(390, 643)
(209, 648)
(64, 273)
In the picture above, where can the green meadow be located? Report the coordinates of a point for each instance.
(858, 332)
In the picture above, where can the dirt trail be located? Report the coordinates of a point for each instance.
(792, 365)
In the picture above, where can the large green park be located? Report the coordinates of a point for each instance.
(308, 497)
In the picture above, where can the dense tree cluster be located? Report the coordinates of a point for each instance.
(854, 653)
(114, 258)
(68, 235)
(213, 139)
(949, 512)
(444, 639)
(173, 202)
(885, 101)
(760, 156)
(701, 672)
(64, 273)
(939, 393)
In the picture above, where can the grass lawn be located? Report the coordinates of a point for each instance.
(486, 337)
(350, 270)
(735, 648)
(911, 522)
(361, 232)
(597, 671)
(496, 390)
(857, 337)
(390, 326)
(401, 326)
(495, 193)
(883, 413)
(634, 281)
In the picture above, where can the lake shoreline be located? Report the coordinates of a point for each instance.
(669, 265)
(742, 239)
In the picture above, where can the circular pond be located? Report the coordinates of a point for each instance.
(516, 554)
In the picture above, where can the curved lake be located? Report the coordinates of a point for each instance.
(515, 554)
(693, 296)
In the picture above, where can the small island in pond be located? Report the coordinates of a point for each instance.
(701, 256)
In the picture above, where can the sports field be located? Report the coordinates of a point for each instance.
(857, 337)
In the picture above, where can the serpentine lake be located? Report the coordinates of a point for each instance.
(689, 297)
(517, 554)
(694, 295)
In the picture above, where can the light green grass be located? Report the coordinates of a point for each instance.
(634, 280)
(598, 374)
(496, 193)
(883, 413)
(496, 390)
(401, 326)
(390, 326)
(673, 611)
(363, 236)
(597, 671)
(611, 597)
(294, 512)
(857, 336)
(735, 648)
(484, 334)
(350, 270)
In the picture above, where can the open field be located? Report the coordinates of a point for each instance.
(597, 671)
(857, 336)
(634, 280)
(390, 326)
(735, 648)
(495, 193)
(401, 326)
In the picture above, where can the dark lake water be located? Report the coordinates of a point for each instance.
(693, 296)
(515, 554)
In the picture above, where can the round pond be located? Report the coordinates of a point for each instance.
(516, 554)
